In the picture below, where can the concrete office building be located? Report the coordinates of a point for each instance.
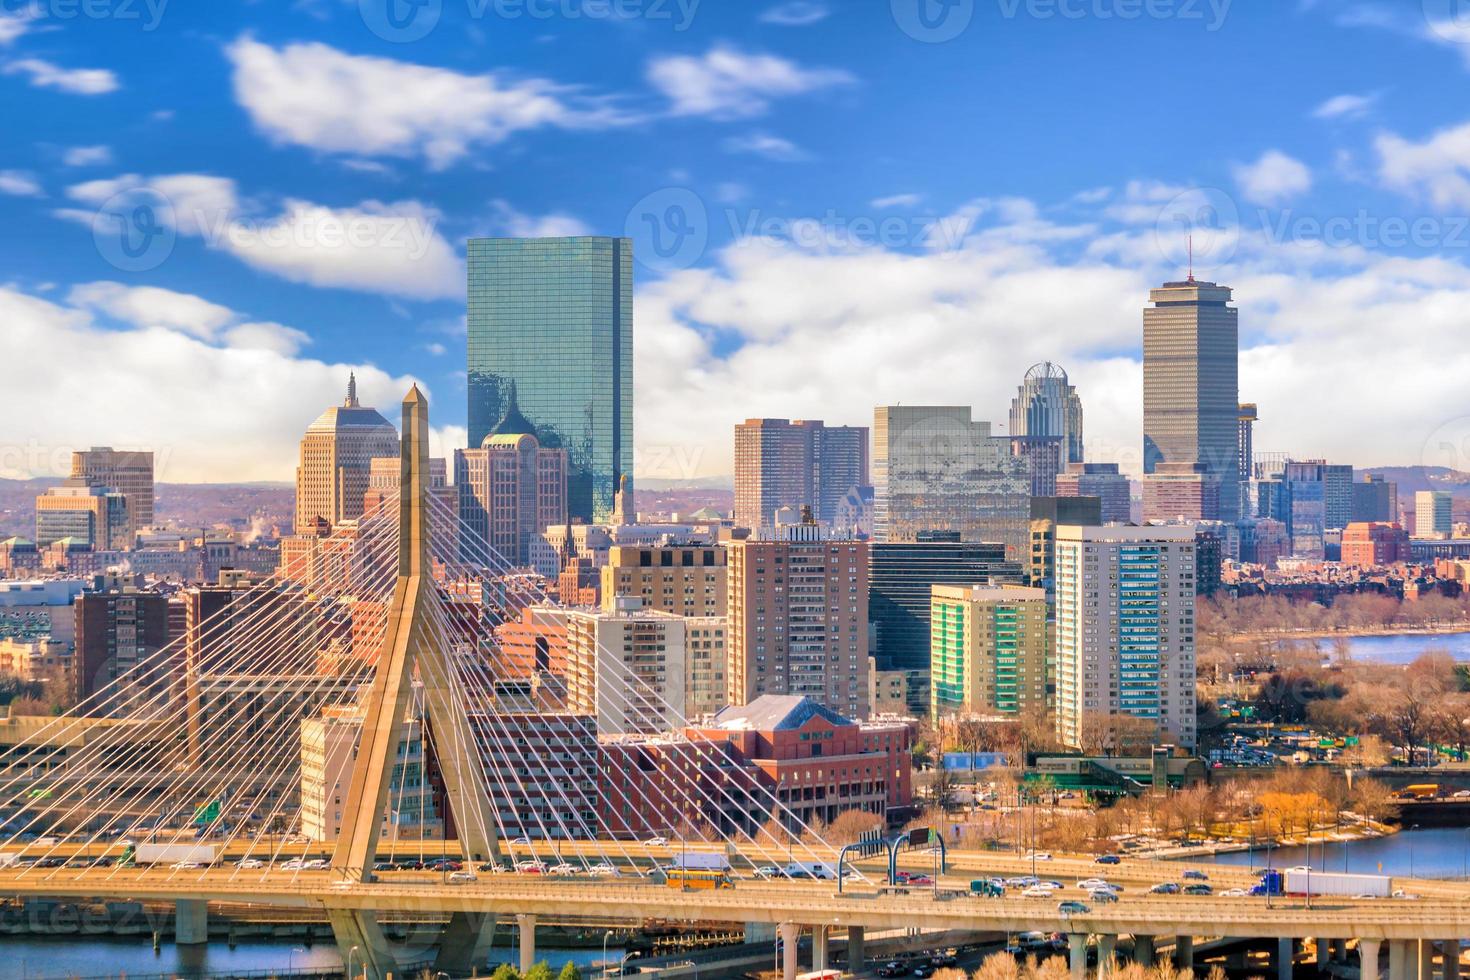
(1101, 480)
(901, 575)
(1375, 500)
(1191, 392)
(129, 473)
(781, 463)
(1043, 456)
(1046, 514)
(799, 617)
(553, 319)
(988, 650)
(688, 580)
(333, 475)
(1125, 599)
(935, 469)
(1047, 405)
(628, 667)
(1181, 492)
(89, 515)
(1433, 514)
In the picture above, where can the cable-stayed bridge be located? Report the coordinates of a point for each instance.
(294, 747)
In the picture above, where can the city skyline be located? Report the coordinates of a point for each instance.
(790, 252)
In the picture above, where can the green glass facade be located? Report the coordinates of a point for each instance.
(552, 318)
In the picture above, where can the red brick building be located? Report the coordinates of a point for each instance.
(1374, 544)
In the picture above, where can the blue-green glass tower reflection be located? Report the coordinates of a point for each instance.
(551, 334)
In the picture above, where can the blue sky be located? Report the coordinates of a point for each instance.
(877, 206)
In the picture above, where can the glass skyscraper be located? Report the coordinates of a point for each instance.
(550, 324)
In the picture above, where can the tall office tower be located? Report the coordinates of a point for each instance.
(1101, 480)
(1043, 456)
(1375, 500)
(1337, 495)
(1046, 514)
(1124, 648)
(337, 451)
(934, 469)
(1046, 405)
(780, 463)
(385, 474)
(117, 630)
(1432, 514)
(553, 317)
(91, 515)
(1181, 491)
(1263, 541)
(900, 577)
(129, 473)
(1245, 458)
(1191, 394)
(799, 617)
(628, 667)
(510, 489)
(685, 579)
(1309, 497)
(988, 650)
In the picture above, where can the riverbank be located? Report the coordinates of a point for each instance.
(1366, 831)
(1355, 632)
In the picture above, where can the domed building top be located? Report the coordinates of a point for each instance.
(350, 414)
(513, 423)
(1046, 370)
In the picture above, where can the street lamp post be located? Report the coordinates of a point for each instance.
(349, 962)
(605, 937)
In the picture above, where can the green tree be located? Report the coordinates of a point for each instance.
(540, 971)
(505, 972)
(570, 972)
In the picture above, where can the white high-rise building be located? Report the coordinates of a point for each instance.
(337, 451)
(1433, 514)
(1125, 635)
(629, 667)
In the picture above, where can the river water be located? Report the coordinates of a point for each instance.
(1403, 648)
(1436, 852)
(32, 958)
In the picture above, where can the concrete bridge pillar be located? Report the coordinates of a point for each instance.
(1285, 953)
(1107, 951)
(1184, 952)
(1426, 959)
(790, 940)
(760, 932)
(855, 954)
(1368, 956)
(1143, 950)
(191, 922)
(526, 924)
(1451, 950)
(1339, 950)
(819, 947)
(1324, 952)
(1238, 958)
(1398, 959)
(1077, 955)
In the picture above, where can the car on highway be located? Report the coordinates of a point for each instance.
(1235, 893)
(947, 959)
(1024, 881)
(531, 868)
(562, 869)
(522, 841)
(1037, 891)
(1107, 859)
(462, 877)
(919, 880)
(1193, 875)
(1015, 950)
(1072, 907)
(250, 864)
(1198, 889)
(923, 971)
(295, 864)
(1102, 896)
(1164, 888)
(603, 870)
(186, 866)
(1039, 856)
(893, 969)
(316, 864)
(1094, 884)
(656, 842)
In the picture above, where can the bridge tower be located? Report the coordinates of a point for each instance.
(410, 643)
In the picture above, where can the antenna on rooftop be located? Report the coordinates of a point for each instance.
(1191, 258)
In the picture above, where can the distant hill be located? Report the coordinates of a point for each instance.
(1411, 479)
(241, 505)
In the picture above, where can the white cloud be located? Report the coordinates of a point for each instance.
(20, 183)
(796, 13)
(153, 308)
(1437, 169)
(1273, 179)
(897, 201)
(87, 156)
(766, 145)
(211, 412)
(393, 248)
(515, 224)
(1013, 292)
(1346, 106)
(317, 96)
(76, 81)
(727, 83)
(12, 26)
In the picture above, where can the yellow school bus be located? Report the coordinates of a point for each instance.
(698, 878)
